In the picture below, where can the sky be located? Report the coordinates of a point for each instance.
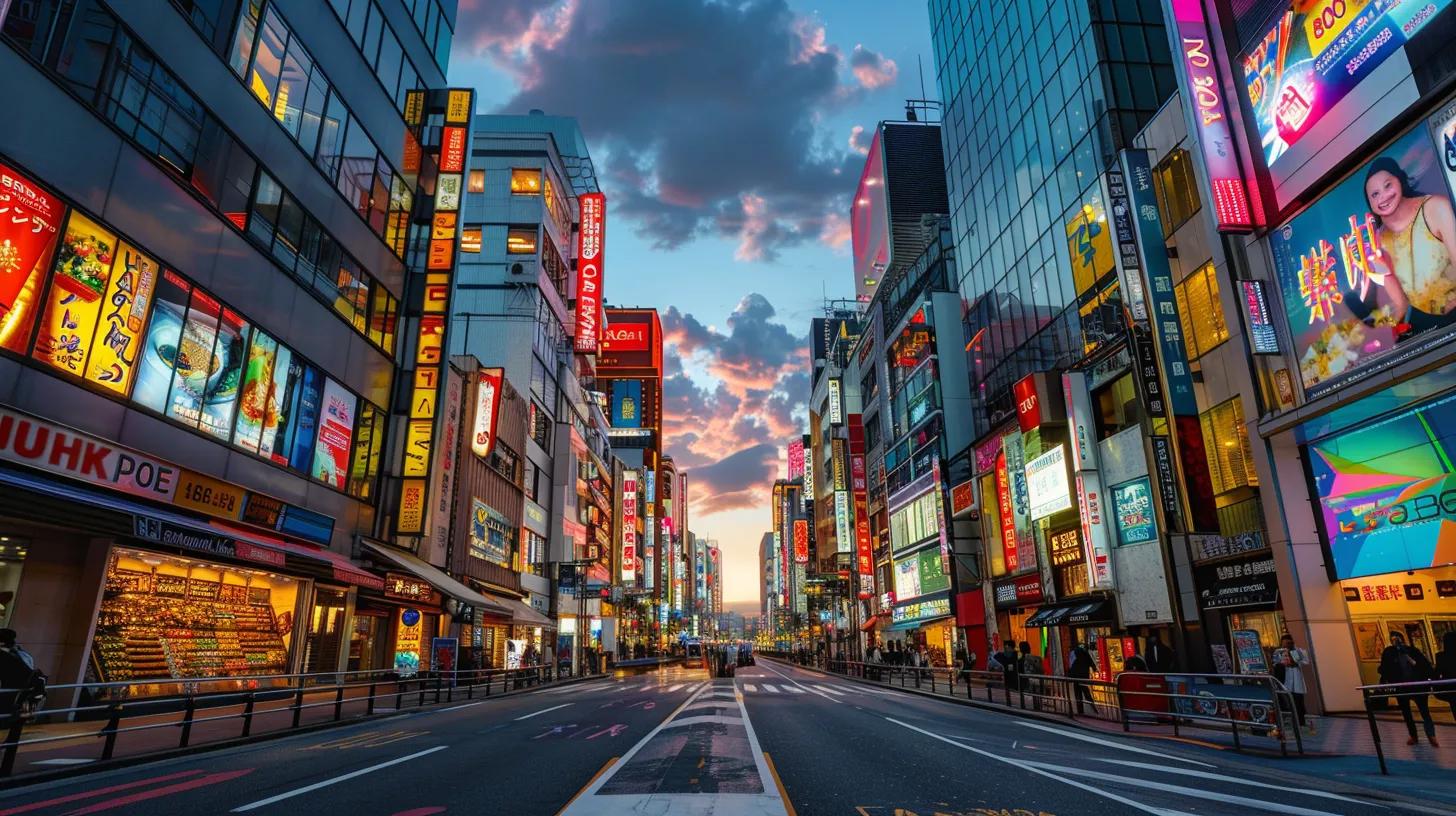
(728, 136)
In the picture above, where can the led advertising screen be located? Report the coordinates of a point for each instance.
(1133, 505)
(920, 574)
(335, 434)
(869, 223)
(1387, 492)
(159, 350)
(28, 236)
(626, 403)
(117, 340)
(1316, 54)
(72, 307)
(1367, 269)
(1047, 486)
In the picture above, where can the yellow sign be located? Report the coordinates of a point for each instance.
(417, 440)
(414, 108)
(1090, 245)
(73, 305)
(425, 394)
(1328, 19)
(209, 496)
(411, 506)
(457, 107)
(117, 342)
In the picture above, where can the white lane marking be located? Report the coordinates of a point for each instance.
(1110, 744)
(63, 761)
(801, 685)
(671, 689)
(542, 711)
(1234, 779)
(457, 708)
(1027, 767)
(770, 688)
(627, 757)
(1134, 782)
(750, 688)
(831, 690)
(335, 780)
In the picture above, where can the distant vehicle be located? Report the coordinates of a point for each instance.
(694, 655)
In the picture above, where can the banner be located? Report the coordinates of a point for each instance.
(487, 407)
(590, 247)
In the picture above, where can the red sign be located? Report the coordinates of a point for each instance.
(628, 337)
(864, 546)
(590, 245)
(1008, 518)
(28, 231)
(962, 498)
(629, 525)
(1028, 403)
(487, 408)
(801, 541)
(452, 150)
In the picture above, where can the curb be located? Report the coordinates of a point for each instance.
(21, 780)
(1314, 782)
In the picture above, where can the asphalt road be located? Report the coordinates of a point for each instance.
(774, 740)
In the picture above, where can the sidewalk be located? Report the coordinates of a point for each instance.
(1342, 749)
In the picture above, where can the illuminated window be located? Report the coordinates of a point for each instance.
(470, 239)
(1177, 190)
(1226, 443)
(476, 182)
(521, 242)
(525, 182)
(1201, 312)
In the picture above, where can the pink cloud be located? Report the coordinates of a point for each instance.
(873, 70)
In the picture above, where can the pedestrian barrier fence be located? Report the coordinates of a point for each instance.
(1243, 705)
(189, 708)
(1380, 697)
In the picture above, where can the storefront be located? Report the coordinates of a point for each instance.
(1016, 600)
(1238, 595)
(926, 621)
(1421, 607)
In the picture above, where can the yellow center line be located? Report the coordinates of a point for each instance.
(589, 783)
(779, 783)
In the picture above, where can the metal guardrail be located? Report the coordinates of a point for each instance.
(303, 692)
(1417, 692)
(1241, 704)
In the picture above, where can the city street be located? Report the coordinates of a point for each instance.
(676, 742)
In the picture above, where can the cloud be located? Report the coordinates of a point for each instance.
(730, 435)
(703, 116)
(855, 141)
(871, 69)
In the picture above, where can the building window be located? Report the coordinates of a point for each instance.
(521, 242)
(1177, 190)
(470, 240)
(1201, 312)
(1118, 406)
(525, 182)
(475, 182)
(1226, 443)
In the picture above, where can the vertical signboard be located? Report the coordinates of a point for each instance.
(1091, 499)
(1211, 117)
(442, 486)
(590, 245)
(629, 526)
(796, 459)
(487, 407)
(801, 541)
(836, 402)
(1022, 554)
(1129, 268)
(413, 509)
(864, 558)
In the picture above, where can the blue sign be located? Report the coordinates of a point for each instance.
(1163, 306)
(627, 404)
(1132, 504)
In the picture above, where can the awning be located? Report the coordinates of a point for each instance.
(1047, 616)
(1078, 613)
(435, 577)
(209, 537)
(523, 614)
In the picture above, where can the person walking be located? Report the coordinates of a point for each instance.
(1446, 670)
(21, 682)
(1031, 664)
(1079, 669)
(1403, 663)
(1160, 658)
(1289, 663)
(962, 666)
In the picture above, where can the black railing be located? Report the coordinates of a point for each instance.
(1404, 695)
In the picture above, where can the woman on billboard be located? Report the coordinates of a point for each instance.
(1413, 259)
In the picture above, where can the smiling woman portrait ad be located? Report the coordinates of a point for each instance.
(1369, 265)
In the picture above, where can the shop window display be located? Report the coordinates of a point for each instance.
(164, 617)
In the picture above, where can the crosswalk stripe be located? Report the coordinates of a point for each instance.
(770, 689)
(750, 688)
(793, 689)
(831, 690)
(675, 688)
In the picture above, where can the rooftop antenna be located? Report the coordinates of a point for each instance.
(920, 65)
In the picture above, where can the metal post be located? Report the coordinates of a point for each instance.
(298, 705)
(1375, 733)
(248, 713)
(339, 704)
(187, 721)
(113, 722)
(369, 709)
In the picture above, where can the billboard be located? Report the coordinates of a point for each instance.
(1316, 54)
(626, 404)
(920, 574)
(335, 434)
(629, 525)
(1211, 116)
(28, 234)
(1387, 492)
(1367, 271)
(1047, 488)
(869, 223)
(590, 247)
(1132, 504)
(801, 541)
(796, 458)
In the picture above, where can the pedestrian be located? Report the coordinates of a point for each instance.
(1160, 658)
(1446, 671)
(1289, 663)
(1009, 662)
(1135, 663)
(1031, 667)
(22, 684)
(1079, 669)
(1403, 663)
(962, 665)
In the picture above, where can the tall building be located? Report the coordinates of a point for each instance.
(208, 245)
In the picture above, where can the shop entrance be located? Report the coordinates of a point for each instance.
(1421, 607)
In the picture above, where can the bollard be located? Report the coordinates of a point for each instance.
(298, 705)
(339, 703)
(369, 708)
(187, 721)
(248, 713)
